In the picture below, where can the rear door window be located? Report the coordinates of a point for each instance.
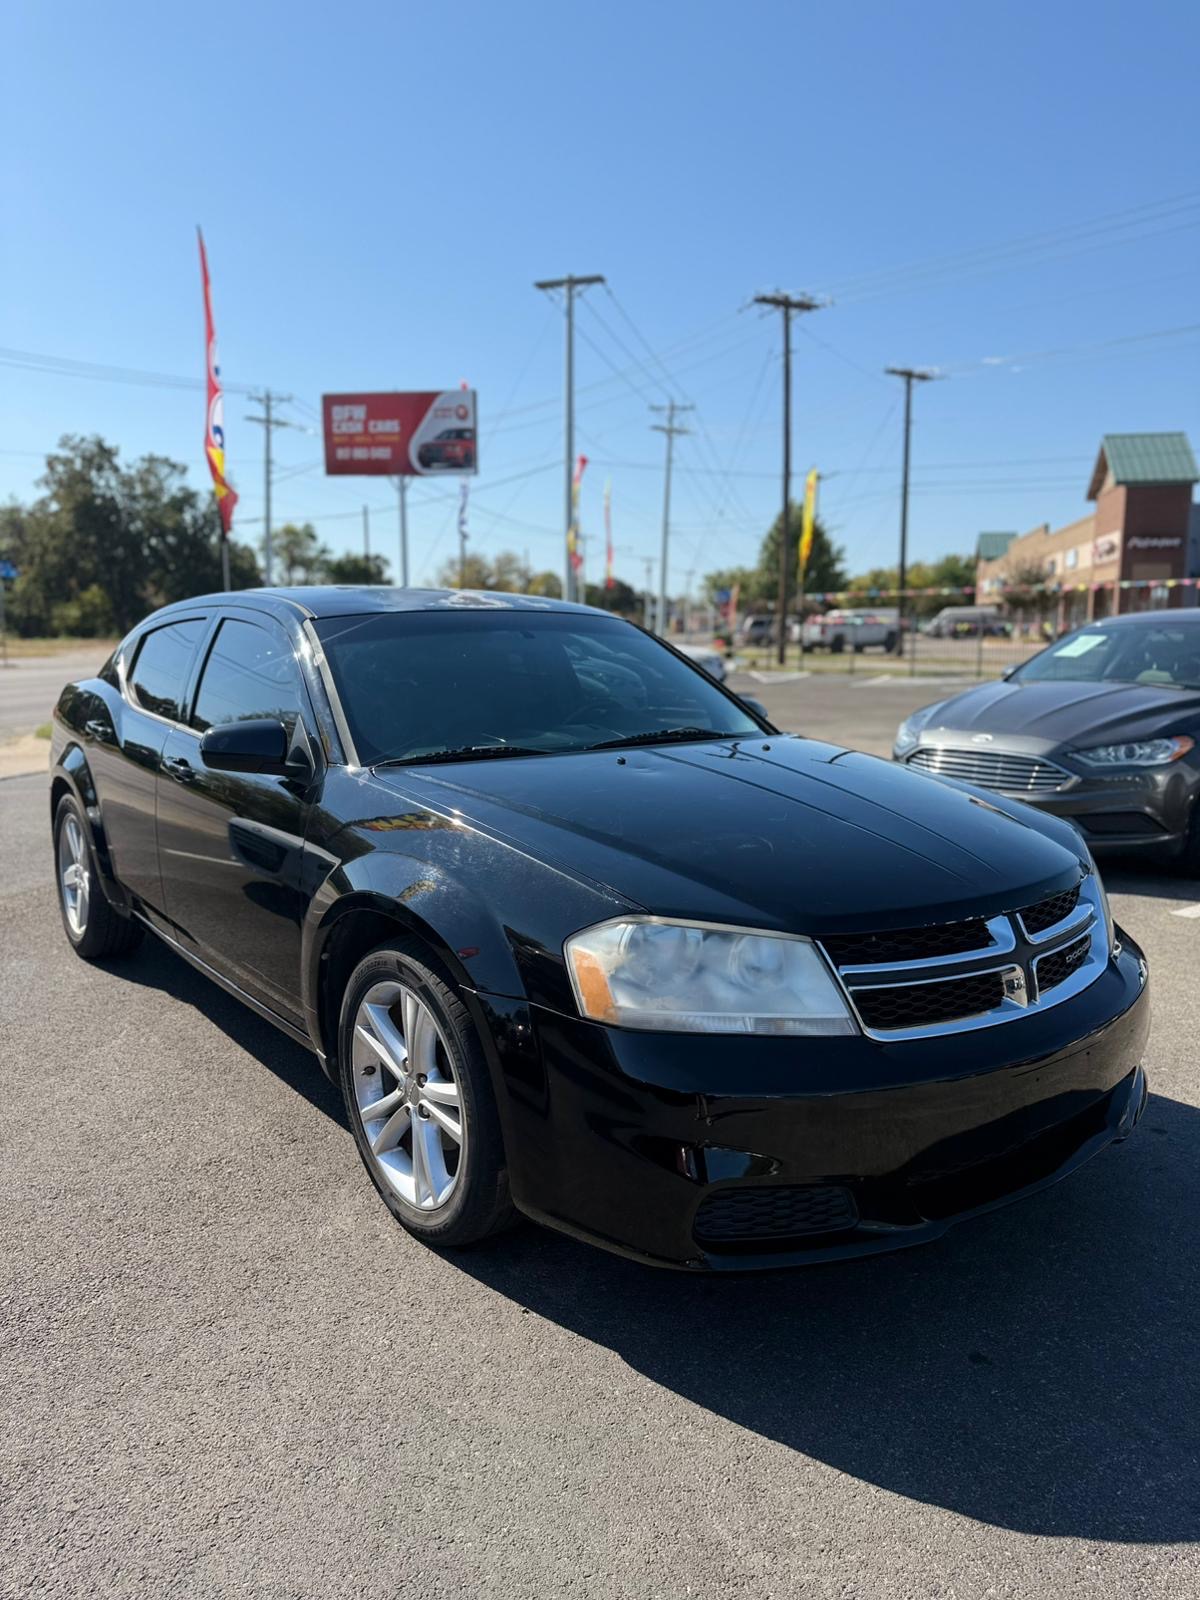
(159, 675)
(250, 672)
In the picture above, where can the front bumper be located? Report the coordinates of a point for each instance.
(637, 1141)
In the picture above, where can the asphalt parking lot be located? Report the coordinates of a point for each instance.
(226, 1372)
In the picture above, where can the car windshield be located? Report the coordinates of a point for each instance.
(466, 684)
(1151, 652)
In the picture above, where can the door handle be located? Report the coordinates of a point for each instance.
(179, 767)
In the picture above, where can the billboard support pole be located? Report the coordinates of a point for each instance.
(402, 490)
(569, 285)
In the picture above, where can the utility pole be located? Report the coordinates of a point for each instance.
(790, 305)
(269, 422)
(570, 286)
(367, 532)
(648, 563)
(910, 375)
(402, 492)
(672, 408)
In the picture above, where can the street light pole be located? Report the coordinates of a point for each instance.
(790, 305)
(910, 375)
(570, 286)
(402, 492)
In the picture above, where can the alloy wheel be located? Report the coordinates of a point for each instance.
(407, 1096)
(74, 875)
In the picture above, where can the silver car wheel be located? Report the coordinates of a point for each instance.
(74, 875)
(407, 1097)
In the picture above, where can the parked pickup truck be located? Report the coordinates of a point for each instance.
(860, 630)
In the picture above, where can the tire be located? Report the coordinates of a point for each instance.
(398, 1013)
(95, 930)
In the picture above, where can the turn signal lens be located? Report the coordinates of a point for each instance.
(695, 977)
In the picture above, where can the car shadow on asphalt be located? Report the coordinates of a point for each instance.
(1035, 1369)
(1154, 880)
(157, 967)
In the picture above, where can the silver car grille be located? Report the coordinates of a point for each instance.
(991, 769)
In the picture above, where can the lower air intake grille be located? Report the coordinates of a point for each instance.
(991, 769)
(748, 1216)
(921, 1005)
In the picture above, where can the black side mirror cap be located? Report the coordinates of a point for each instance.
(1007, 672)
(259, 744)
(756, 706)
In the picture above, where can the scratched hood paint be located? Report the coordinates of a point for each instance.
(786, 833)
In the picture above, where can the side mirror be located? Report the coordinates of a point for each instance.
(259, 744)
(756, 706)
(1007, 672)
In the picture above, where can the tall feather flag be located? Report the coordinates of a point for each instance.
(575, 552)
(214, 426)
(809, 517)
(608, 545)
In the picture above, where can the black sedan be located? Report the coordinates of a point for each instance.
(1102, 727)
(580, 935)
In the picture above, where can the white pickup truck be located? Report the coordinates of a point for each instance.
(858, 630)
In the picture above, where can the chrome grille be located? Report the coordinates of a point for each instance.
(948, 977)
(991, 769)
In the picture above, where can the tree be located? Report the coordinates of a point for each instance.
(546, 584)
(953, 572)
(104, 543)
(622, 598)
(301, 556)
(356, 569)
(824, 573)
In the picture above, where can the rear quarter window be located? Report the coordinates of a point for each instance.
(159, 674)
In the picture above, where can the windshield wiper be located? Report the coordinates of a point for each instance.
(668, 736)
(463, 752)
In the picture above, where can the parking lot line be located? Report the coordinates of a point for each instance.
(1186, 911)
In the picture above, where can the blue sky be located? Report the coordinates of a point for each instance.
(1008, 193)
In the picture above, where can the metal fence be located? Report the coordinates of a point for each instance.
(968, 652)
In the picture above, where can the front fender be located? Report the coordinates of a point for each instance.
(70, 773)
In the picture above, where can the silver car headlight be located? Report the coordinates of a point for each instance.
(697, 977)
(1136, 752)
(910, 730)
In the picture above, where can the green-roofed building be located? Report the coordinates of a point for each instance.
(991, 546)
(1131, 553)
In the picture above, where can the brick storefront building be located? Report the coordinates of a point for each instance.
(1128, 554)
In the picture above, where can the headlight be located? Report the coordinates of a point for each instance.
(694, 977)
(1136, 753)
(910, 729)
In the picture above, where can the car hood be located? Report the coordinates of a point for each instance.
(1065, 713)
(786, 833)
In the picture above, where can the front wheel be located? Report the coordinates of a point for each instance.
(94, 928)
(420, 1101)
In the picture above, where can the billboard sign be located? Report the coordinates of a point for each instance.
(427, 434)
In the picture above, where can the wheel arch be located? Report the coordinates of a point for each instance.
(71, 775)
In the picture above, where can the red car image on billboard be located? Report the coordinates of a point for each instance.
(397, 435)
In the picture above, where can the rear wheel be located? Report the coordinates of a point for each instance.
(93, 927)
(419, 1099)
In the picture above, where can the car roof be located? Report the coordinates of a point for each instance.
(1189, 615)
(349, 600)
